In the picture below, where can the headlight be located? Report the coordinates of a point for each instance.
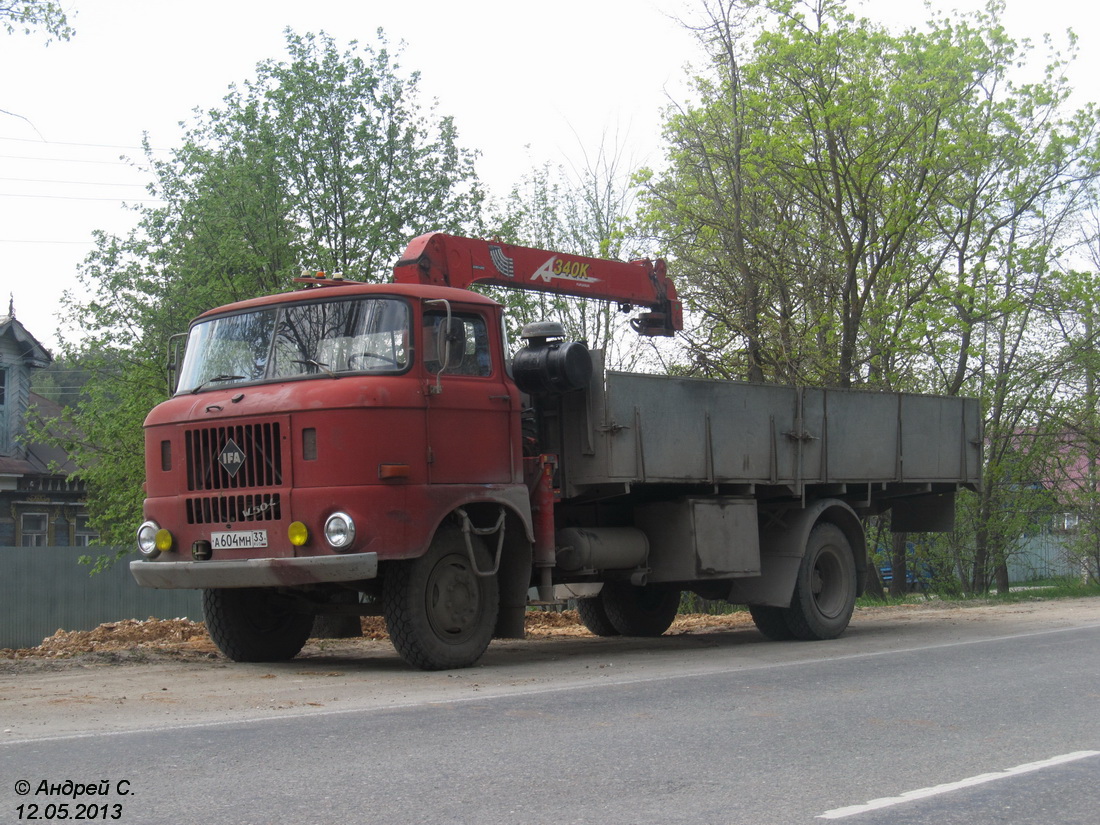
(147, 539)
(339, 531)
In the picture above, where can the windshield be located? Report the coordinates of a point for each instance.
(317, 338)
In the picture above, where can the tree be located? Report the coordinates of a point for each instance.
(364, 167)
(585, 213)
(28, 16)
(1075, 465)
(800, 186)
(1000, 324)
(324, 160)
(62, 382)
(31, 15)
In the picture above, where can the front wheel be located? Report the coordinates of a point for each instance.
(825, 588)
(439, 612)
(255, 624)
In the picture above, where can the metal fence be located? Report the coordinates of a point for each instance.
(44, 589)
(1042, 556)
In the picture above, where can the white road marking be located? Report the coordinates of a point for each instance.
(938, 790)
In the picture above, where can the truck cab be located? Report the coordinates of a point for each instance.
(314, 434)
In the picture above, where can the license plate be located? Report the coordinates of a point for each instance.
(239, 540)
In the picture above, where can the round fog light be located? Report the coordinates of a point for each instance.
(298, 533)
(163, 540)
(339, 531)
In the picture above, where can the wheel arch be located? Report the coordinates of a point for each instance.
(482, 504)
(844, 517)
(783, 537)
(516, 560)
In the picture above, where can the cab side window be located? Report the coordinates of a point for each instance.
(461, 349)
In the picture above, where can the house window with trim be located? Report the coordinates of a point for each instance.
(34, 529)
(84, 535)
(59, 536)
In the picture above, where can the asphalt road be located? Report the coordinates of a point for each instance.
(762, 733)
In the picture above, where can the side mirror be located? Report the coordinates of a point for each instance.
(445, 334)
(451, 342)
(177, 345)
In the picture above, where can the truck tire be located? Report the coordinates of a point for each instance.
(772, 622)
(639, 611)
(594, 617)
(825, 588)
(255, 624)
(439, 612)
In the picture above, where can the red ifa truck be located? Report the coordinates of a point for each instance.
(350, 448)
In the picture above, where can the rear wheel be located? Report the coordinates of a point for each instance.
(594, 617)
(825, 589)
(772, 622)
(255, 624)
(639, 611)
(439, 612)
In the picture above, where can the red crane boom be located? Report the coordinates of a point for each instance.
(447, 260)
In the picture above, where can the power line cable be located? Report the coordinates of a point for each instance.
(66, 160)
(47, 242)
(83, 145)
(74, 182)
(80, 198)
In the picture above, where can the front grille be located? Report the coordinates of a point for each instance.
(258, 448)
(241, 508)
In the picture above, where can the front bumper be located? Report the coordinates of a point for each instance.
(278, 572)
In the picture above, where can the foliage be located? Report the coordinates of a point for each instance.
(29, 16)
(832, 173)
(62, 382)
(324, 160)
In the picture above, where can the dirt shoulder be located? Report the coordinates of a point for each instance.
(139, 675)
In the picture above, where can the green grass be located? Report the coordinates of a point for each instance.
(1041, 590)
(1052, 589)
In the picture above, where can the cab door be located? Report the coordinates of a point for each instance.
(473, 408)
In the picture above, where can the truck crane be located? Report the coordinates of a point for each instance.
(378, 449)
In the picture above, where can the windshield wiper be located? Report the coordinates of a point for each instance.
(222, 377)
(322, 367)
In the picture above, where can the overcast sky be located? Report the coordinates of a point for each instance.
(526, 82)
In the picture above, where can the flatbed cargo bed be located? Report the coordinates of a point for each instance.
(630, 429)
